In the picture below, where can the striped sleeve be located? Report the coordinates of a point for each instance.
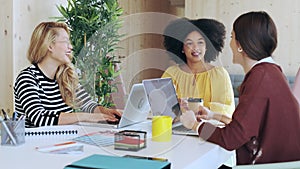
(84, 101)
(38, 98)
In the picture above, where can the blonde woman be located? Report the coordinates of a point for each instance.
(48, 91)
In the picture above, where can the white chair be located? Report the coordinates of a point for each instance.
(296, 86)
(281, 165)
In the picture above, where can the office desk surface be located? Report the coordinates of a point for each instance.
(181, 151)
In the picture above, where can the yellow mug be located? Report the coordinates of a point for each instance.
(161, 128)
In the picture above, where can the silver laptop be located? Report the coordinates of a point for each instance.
(163, 101)
(136, 109)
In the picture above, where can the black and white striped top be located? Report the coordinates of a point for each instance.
(39, 98)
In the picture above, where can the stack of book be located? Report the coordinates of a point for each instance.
(130, 140)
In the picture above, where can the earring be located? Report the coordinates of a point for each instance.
(239, 49)
(182, 51)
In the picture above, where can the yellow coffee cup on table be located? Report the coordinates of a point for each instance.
(161, 128)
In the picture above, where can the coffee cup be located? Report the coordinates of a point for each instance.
(161, 128)
(194, 103)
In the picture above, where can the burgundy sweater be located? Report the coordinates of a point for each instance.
(265, 126)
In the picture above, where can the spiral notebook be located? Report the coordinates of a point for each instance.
(59, 130)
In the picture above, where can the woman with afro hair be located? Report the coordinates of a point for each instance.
(193, 45)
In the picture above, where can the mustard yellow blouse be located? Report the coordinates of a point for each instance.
(214, 86)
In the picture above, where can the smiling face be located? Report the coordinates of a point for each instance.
(194, 47)
(61, 48)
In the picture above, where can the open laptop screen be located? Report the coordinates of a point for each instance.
(137, 106)
(136, 110)
(162, 97)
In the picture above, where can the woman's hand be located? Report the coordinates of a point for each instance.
(183, 104)
(110, 114)
(70, 118)
(204, 113)
(188, 119)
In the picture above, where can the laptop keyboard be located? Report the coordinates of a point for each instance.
(181, 128)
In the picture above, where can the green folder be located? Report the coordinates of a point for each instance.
(98, 161)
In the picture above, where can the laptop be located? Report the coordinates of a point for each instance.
(163, 101)
(136, 109)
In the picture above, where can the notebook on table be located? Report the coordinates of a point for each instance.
(97, 161)
(51, 130)
(57, 132)
(163, 101)
(136, 109)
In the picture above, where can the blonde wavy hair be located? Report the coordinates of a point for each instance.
(43, 35)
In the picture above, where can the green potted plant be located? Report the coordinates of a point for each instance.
(94, 28)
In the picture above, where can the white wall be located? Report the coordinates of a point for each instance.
(6, 53)
(18, 19)
(285, 14)
(27, 15)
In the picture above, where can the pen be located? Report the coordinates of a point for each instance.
(59, 144)
(12, 138)
(14, 116)
(56, 147)
(19, 121)
(6, 117)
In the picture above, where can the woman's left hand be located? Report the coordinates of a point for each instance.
(114, 114)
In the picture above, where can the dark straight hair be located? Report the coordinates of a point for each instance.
(256, 33)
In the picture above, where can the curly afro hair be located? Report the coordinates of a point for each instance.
(177, 30)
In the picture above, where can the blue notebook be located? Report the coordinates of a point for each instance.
(98, 161)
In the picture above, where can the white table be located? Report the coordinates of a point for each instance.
(182, 152)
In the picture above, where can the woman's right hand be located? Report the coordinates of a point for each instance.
(113, 115)
(71, 118)
(188, 119)
(204, 113)
(99, 117)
